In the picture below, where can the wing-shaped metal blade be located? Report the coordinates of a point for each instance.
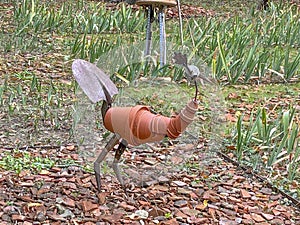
(93, 81)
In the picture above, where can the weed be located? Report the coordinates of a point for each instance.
(21, 161)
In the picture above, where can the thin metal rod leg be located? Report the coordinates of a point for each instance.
(149, 31)
(162, 36)
(116, 168)
(180, 21)
(109, 146)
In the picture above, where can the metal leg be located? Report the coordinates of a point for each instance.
(149, 31)
(180, 22)
(119, 152)
(162, 36)
(109, 146)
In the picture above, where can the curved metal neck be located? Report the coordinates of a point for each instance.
(106, 103)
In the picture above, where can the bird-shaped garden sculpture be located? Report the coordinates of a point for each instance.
(130, 125)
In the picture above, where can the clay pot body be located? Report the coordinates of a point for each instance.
(137, 125)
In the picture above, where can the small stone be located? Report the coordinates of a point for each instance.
(27, 184)
(211, 206)
(44, 172)
(280, 208)
(248, 222)
(267, 216)
(195, 184)
(276, 212)
(229, 212)
(211, 196)
(150, 162)
(5, 217)
(239, 179)
(194, 220)
(86, 180)
(89, 223)
(18, 217)
(238, 220)
(179, 183)
(155, 212)
(247, 216)
(190, 212)
(275, 197)
(88, 206)
(67, 214)
(102, 197)
(141, 214)
(257, 217)
(200, 192)
(68, 202)
(223, 190)
(180, 203)
(70, 147)
(233, 199)
(287, 222)
(10, 209)
(160, 218)
(266, 191)
(27, 223)
(112, 219)
(150, 183)
(125, 206)
(201, 207)
(171, 222)
(161, 188)
(176, 160)
(225, 221)
(276, 221)
(69, 185)
(193, 195)
(245, 194)
(180, 214)
(163, 180)
(184, 191)
(253, 209)
(41, 217)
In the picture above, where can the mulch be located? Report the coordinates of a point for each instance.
(216, 192)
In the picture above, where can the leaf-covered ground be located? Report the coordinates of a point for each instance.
(204, 188)
(216, 192)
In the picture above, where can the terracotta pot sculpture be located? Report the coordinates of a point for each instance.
(130, 125)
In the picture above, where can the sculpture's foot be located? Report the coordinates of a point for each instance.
(109, 146)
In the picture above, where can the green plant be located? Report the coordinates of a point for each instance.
(18, 161)
(168, 215)
(276, 141)
(241, 48)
